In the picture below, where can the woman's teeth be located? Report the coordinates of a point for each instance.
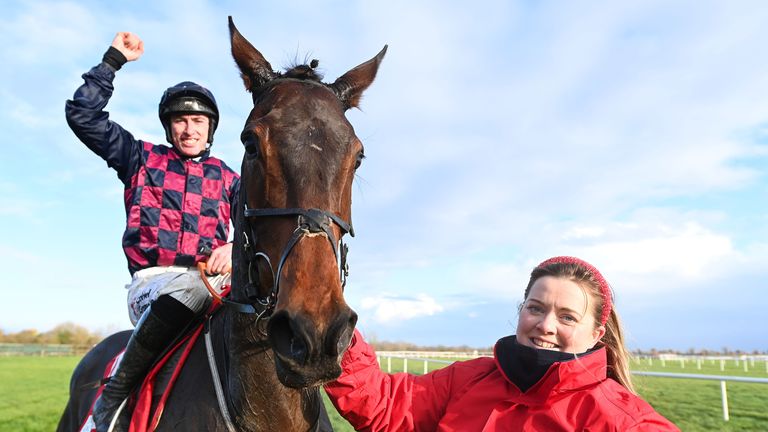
(542, 344)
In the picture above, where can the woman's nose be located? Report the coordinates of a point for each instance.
(547, 323)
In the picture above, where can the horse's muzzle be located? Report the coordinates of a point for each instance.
(306, 356)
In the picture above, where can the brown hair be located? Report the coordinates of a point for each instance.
(593, 283)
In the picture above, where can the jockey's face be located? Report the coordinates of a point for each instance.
(189, 133)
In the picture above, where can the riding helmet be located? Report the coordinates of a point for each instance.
(188, 98)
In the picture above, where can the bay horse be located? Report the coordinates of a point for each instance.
(282, 331)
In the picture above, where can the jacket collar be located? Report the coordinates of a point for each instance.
(199, 158)
(535, 373)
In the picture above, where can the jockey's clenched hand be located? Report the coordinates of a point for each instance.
(129, 44)
(220, 261)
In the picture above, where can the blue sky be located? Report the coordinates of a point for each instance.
(497, 134)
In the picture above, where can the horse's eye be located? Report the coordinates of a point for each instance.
(359, 161)
(251, 142)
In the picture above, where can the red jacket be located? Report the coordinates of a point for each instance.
(476, 395)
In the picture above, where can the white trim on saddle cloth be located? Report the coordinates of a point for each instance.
(88, 424)
(141, 418)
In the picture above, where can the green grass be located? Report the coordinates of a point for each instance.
(33, 392)
(338, 422)
(695, 405)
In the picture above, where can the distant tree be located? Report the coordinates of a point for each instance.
(26, 336)
(69, 333)
(66, 333)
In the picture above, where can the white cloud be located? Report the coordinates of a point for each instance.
(582, 232)
(12, 254)
(687, 252)
(29, 209)
(653, 251)
(497, 133)
(388, 309)
(45, 31)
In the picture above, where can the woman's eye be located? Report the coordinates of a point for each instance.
(533, 309)
(569, 319)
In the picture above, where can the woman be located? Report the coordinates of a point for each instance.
(566, 369)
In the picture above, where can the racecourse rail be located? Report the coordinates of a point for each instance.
(425, 358)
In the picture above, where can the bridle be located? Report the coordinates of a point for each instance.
(309, 221)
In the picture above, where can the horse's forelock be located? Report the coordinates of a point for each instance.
(303, 71)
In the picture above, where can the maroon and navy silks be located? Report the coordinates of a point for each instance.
(177, 208)
(174, 205)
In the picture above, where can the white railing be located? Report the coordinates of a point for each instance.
(435, 354)
(743, 362)
(721, 378)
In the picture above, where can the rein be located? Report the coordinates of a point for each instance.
(221, 394)
(309, 221)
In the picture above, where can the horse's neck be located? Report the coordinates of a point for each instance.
(259, 400)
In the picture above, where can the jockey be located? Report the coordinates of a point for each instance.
(177, 199)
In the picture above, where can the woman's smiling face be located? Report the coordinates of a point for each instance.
(558, 315)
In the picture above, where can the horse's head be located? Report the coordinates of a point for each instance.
(301, 154)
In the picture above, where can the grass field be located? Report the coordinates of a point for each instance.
(33, 392)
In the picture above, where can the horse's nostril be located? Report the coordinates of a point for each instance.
(341, 334)
(286, 340)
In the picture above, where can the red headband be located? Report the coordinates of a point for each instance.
(605, 290)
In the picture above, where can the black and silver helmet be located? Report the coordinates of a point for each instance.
(188, 98)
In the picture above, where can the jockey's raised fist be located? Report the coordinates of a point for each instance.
(129, 44)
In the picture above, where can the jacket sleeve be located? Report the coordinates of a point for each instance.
(234, 200)
(90, 122)
(372, 400)
(654, 422)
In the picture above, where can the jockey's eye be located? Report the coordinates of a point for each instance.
(360, 157)
(251, 142)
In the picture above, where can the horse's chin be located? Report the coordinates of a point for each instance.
(313, 375)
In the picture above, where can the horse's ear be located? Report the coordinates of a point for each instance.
(254, 68)
(350, 86)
